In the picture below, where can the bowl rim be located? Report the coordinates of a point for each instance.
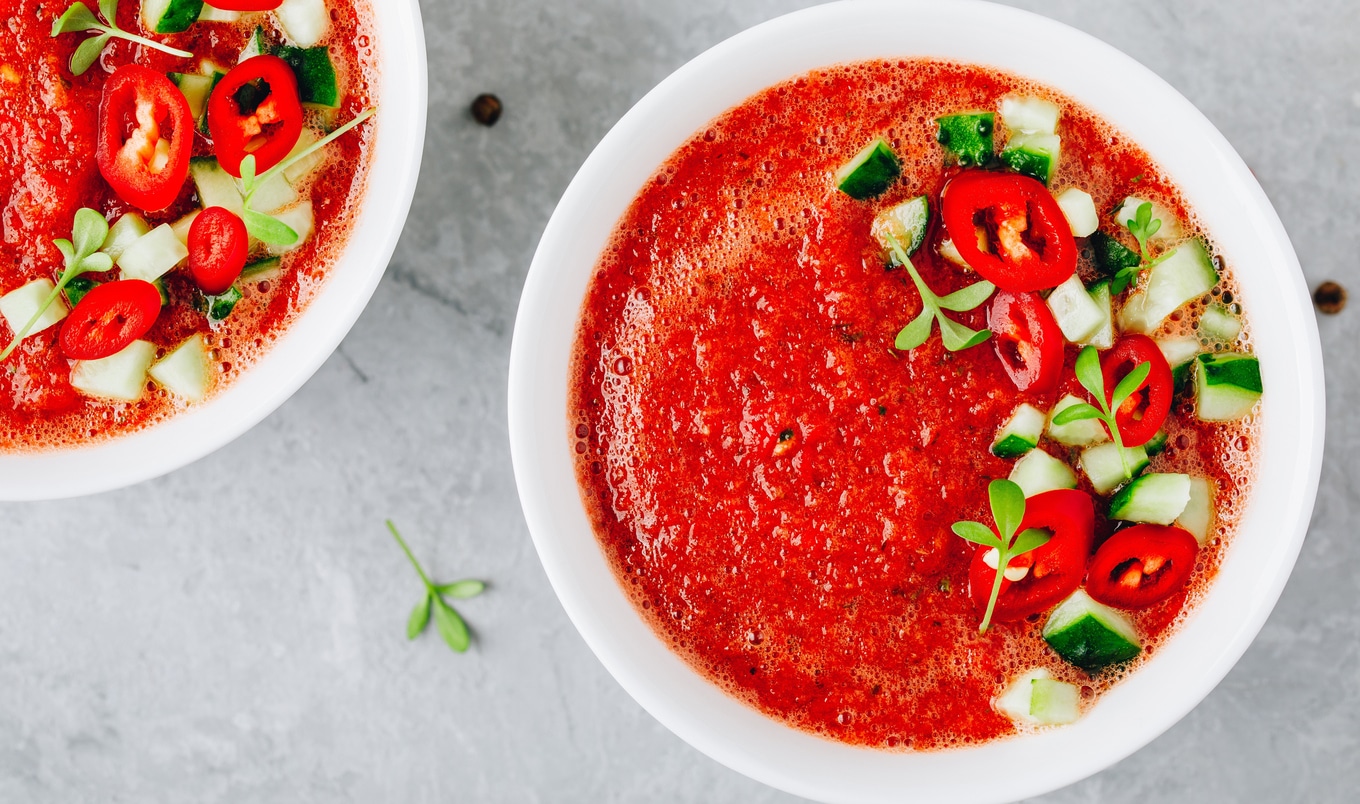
(1218, 186)
(309, 340)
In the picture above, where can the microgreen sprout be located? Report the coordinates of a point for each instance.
(956, 337)
(79, 18)
(446, 620)
(1142, 226)
(266, 228)
(1008, 512)
(82, 257)
(1093, 380)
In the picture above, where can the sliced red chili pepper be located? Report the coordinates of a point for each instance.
(1142, 414)
(1054, 570)
(255, 109)
(145, 137)
(1009, 229)
(1142, 565)
(109, 318)
(217, 249)
(1027, 339)
(246, 5)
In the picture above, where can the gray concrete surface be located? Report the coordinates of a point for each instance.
(234, 632)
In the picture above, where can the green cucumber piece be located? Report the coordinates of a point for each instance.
(216, 187)
(259, 270)
(1156, 445)
(1227, 386)
(1020, 434)
(170, 16)
(1080, 433)
(196, 89)
(256, 45)
(1029, 114)
(22, 303)
(1077, 314)
(1014, 700)
(152, 255)
(1180, 354)
(1111, 256)
(182, 226)
(1034, 155)
(215, 76)
(1186, 273)
(121, 376)
(1199, 512)
(1156, 498)
(305, 21)
(1053, 702)
(968, 137)
(1169, 231)
(220, 306)
(906, 223)
(870, 172)
(315, 74)
(77, 288)
(1105, 470)
(1080, 210)
(1104, 336)
(1219, 324)
(1038, 472)
(122, 233)
(184, 372)
(1090, 635)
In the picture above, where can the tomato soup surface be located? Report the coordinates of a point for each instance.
(772, 481)
(49, 121)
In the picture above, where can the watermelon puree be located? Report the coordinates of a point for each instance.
(772, 482)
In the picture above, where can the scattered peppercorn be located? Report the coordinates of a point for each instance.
(486, 109)
(1330, 298)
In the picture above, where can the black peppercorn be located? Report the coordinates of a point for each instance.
(486, 109)
(1330, 298)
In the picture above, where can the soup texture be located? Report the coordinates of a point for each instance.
(774, 482)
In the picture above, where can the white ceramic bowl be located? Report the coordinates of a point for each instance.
(1218, 186)
(300, 351)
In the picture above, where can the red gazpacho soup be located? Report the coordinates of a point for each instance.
(177, 180)
(912, 405)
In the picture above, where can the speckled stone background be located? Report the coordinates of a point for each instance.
(234, 632)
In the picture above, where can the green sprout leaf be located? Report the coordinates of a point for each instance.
(109, 8)
(977, 533)
(1008, 512)
(1008, 506)
(452, 629)
(1093, 380)
(1129, 385)
(267, 229)
(1076, 413)
(1030, 539)
(78, 18)
(917, 332)
(969, 297)
(955, 336)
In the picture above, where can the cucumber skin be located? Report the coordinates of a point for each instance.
(220, 306)
(1122, 501)
(1242, 371)
(1012, 446)
(874, 173)
(77, 288)
(179, 15)
(1090, 645)
(1180, 378)
(315, 74)
(1111, 256)
(967, 136)
(1029, 163)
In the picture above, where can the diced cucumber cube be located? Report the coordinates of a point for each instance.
(216, 187)
(210, 14)
(1029, 114)
(170, 16)
(1104, 468)
(1169, 231)
(220, 306)
(256, 45)
(305, 21)
(1053, 702)
(300, 169)
(121, 234)
(120, 376)
(1155, 498)
(216, 75)
(152, 255)
(1111, 255)
(315, 74)
(1156, 445)
(300, 220)
(1219, 324)
(1090, 635)
(1077, 314)
(267, 268)
(967, 136)
(1199, 511)
(1038, 472)
(870, 172)
(1034, 155)
(1014, 701)
(1075, 434)
(196, 89)
(951, 254)
(22, 303)
(182, 226)
(184, 372)
(1178, 350)
(1100, 295)
(1020, 434)
(77, 288)
(1185, 274)
(1080, 211)
(1227, 386)
(272, 196)
(906, 223)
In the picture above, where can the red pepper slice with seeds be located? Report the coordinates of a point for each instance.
(1143, 413)
(145, 137)
(109, 318)
(1027, 340)
(255, 109)
(1009, 229)
(1142, 565)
